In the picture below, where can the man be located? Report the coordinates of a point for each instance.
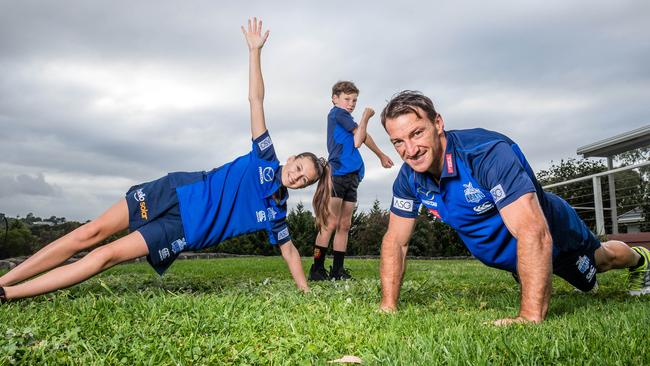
(480, 183)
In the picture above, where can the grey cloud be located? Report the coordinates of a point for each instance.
(24, 184)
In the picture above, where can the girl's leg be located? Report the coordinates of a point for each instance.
(113, 220)
(126, 248)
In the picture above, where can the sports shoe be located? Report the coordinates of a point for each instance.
(340, 274)
(638, 279)
(318, 274)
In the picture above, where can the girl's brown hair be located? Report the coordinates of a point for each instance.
(321, 200)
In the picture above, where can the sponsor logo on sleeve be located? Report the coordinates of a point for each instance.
(265, 143)
(403, 204)
(472, 195)
(283, 233)
(498, 193)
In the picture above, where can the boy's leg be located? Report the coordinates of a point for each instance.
(341, 241)
(317, 271)
(126, 248)
(113, 220)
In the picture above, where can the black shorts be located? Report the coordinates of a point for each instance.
(345, 186)
(577, 267)
(154, 212)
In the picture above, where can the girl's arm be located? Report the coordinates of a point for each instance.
(292, 257)
(255, 40)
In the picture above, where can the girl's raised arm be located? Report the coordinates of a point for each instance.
(255, 40)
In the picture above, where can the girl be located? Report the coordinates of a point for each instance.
(188, 211)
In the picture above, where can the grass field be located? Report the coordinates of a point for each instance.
(247, 311)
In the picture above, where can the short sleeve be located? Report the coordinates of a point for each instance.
(263, 147)
(344, 119)
(500, 170)
(279, 233)
(405, 202)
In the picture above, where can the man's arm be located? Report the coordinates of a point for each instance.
(292, 257)
(386, 162)
(526, 222)
(255, 40)
(360, 131)
(393, 259)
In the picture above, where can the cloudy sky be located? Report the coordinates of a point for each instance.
(96, 96)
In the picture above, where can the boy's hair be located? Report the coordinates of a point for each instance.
(408, 101)
(346, 87)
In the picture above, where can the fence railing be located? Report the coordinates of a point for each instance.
(627, 189)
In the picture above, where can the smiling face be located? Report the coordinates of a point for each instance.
(419, 142)
(299, 172)
(345, 101)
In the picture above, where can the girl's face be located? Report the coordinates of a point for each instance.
(299, 172)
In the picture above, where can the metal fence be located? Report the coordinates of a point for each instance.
(611, 201)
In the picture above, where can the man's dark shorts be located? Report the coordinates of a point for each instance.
(577, 267)
(154, 212)
(345, 186)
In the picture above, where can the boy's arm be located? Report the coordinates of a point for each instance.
(292, 257)
(386, 162)
(255, 40)
(360, 132)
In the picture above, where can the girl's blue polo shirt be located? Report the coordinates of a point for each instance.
(234, 199)
(483, 172)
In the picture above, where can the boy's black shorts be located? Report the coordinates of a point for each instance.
(345, 186)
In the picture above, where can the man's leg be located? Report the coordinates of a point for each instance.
(317, 272)
(113, 220)
(615, 254)
(341, 241)
(126, 248)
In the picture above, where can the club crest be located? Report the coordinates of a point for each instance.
(472, 195)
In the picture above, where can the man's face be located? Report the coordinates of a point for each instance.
(418, 141)
(345, 101)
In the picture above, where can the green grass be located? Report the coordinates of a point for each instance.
(247, 311)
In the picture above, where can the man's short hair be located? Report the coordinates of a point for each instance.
(346, 87)
(408, 101)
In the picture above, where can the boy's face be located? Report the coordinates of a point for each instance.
(345, 101)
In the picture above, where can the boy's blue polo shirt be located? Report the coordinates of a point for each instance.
(234, 199)
(483, 172)
(344, 158)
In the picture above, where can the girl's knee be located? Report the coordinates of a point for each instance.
(87, 232)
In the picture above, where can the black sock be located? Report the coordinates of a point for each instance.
(639, 263)
(338, 260)
(319, 256)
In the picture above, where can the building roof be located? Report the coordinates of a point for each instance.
(632, 216)
(617, 144)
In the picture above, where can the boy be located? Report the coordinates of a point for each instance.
(344, 137)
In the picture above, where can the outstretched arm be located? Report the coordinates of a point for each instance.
(393, 260)
(292, 257)
(525, 221)
(386, 162)
(255, 40)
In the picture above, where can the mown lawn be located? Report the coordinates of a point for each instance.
(247, 311)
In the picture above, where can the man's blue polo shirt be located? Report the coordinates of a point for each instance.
(344, 158)
(483, 172)
(234, 199)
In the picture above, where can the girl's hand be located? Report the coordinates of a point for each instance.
(254, 37)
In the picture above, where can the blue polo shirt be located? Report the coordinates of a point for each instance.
(234, 199)
(344, 158)
(483, 172)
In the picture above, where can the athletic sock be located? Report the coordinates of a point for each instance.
(637, 265)
(319, 256)
(338, 260)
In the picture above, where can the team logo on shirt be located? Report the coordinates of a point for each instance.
(140, 196)
(264, 144)
(472, 195)
(178, 245)
(266, 174)
(261, 216)
(283, 233)
(271, 213)
(484, 207)
(498, 193)
(402, 204)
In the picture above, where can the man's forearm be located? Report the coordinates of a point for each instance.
(391, 271)
(534, 261)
